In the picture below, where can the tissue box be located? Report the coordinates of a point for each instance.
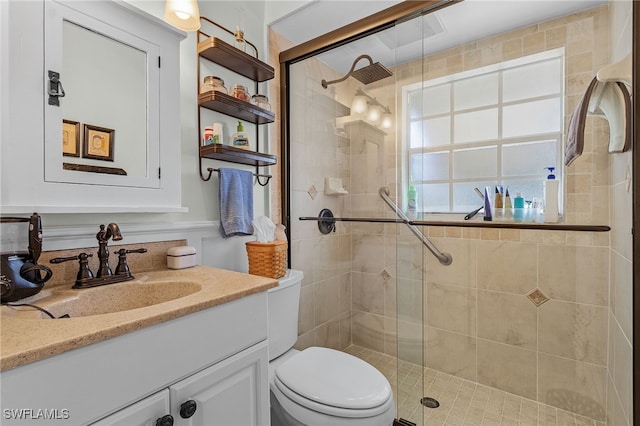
(267, 259)
(181, 257)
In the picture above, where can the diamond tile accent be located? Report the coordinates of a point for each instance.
(312, 191)
(384, 275)
(537, 297)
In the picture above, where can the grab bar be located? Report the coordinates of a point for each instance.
(444, 258)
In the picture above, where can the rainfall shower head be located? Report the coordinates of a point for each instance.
(366, 75)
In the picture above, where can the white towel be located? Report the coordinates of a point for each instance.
(612, 101)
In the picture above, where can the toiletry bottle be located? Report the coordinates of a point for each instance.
(207, 136)
(507, 199)
(551, 197)
(239, 39)
(508, 207)
(412, 204)
(488, 216)
(240, 138)
(518, 207)
(217, 134)
(498, 207)
(498, 199)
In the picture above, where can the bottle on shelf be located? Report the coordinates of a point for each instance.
(217, 134)
(240, 91)
(518, 207)
(412, 202)
(240, 139)
(213, 83)
(551, 197)
(207, 136)
(239, 42)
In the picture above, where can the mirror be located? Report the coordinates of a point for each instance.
(105, 129)
(100, 73)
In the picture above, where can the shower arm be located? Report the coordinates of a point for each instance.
(443, 258)
(326, 83)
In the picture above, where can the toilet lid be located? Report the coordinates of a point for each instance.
(334, 378)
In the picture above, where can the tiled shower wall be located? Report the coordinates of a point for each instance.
(573, 351)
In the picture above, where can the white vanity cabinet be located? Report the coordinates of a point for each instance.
(228, 393)
(216, 357)
(150, 411)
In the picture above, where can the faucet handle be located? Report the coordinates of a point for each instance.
(84, 273)
(140, 250)
(123, 267)
(81, 256)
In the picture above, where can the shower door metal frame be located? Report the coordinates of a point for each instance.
(636, 211)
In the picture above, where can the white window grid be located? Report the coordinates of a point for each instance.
(500, 142)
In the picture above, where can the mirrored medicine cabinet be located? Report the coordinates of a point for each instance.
(110, 138)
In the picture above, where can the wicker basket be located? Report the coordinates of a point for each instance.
(267, 259)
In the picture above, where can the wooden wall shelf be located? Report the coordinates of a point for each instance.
(234, 107)
(235, 60)
(227, 56)
(236, 155)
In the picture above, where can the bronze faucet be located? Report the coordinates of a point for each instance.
(85, 278)
(113, 232)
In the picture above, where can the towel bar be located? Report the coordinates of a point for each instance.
(256, 175)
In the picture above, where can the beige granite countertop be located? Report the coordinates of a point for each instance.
(25, 337)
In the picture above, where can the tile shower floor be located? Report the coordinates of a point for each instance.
(462, 402)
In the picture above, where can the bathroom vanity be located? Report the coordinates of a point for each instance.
(200, 358)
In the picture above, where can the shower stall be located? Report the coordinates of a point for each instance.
(386, 131)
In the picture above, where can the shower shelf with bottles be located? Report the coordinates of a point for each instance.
(225, 55)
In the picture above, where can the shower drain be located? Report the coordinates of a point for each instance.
(429, 402)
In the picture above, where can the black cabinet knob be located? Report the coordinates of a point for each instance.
(188, 409)
(166, 420)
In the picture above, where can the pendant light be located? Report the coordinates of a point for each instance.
(359, 104)
(386, 121)
(374, 112)
(183, 14)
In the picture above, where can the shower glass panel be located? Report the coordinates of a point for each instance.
(363, 289)
(525, 326)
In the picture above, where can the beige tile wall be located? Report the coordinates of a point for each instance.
(373, 285)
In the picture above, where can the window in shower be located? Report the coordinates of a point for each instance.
(500, 124)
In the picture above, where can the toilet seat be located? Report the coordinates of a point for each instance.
(334, 383)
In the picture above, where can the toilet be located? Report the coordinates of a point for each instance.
(318, 386)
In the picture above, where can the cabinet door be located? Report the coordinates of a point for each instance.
(146, 412)
(234, 392)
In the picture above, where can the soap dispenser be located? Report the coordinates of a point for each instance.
(551, 197)
(240, 138)
(412, 202)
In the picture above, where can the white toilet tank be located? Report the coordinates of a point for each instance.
(283, 303)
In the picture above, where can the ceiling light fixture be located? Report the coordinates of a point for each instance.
(373, 110)
(183, 14)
